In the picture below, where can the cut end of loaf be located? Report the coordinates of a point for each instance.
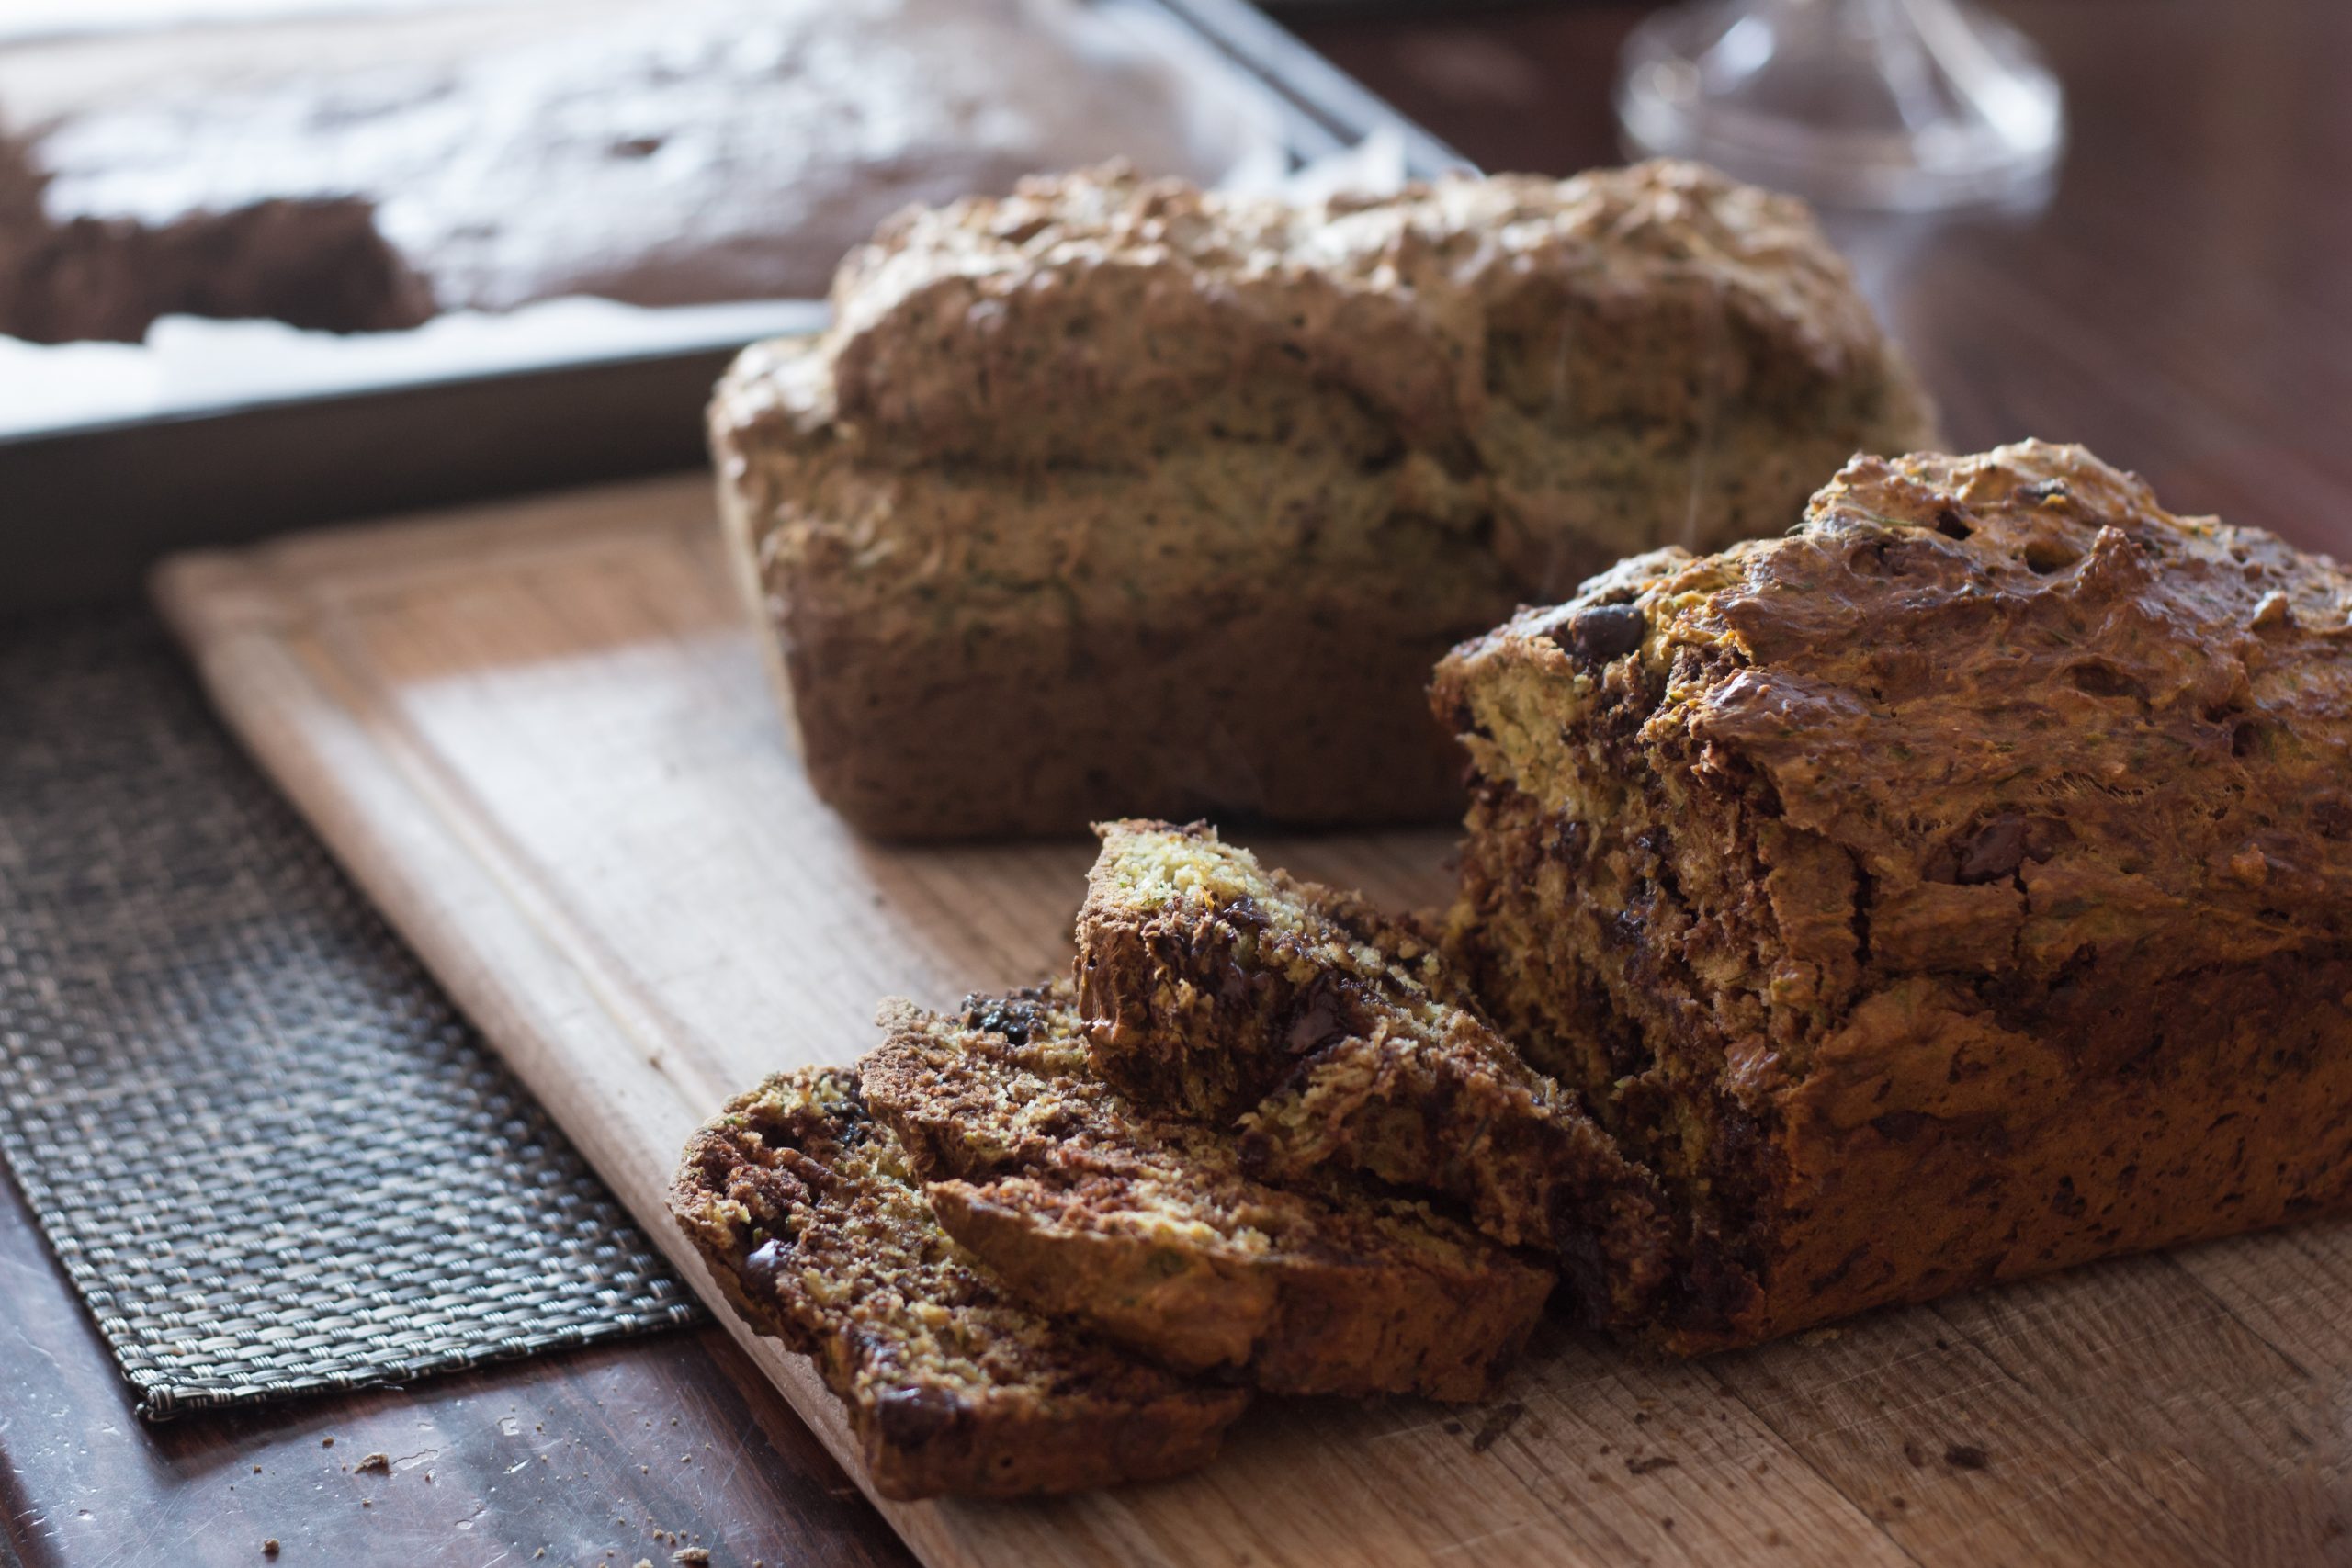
(1876, 882)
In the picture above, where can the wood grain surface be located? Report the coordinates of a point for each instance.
(538, 735)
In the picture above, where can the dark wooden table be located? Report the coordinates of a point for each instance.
(2183, 306)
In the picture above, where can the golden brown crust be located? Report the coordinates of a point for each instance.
(1955, 888)
(1147, 1230)
(1189, 490)
(812, 1226)
(1213, 988)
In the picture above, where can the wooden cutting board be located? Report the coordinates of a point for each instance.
(540, 736)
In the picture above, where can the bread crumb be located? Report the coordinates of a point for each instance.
(269, 1547)
(1820, 1336)
(642, 1563)
(326, 1442)
(256, 1469)
(691, 1554)
(380, 1464)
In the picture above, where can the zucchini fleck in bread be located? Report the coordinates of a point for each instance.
(1189, 490)
(804, 1209)
(1146, 1228)
(1314, 1027)
(1956, 888)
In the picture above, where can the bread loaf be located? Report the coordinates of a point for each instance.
(1956, 888)
(1115, 497)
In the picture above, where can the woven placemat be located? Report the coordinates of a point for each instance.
(270, 1154)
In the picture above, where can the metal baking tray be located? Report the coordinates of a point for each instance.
(85, 509)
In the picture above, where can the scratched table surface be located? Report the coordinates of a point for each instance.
(2183, 305)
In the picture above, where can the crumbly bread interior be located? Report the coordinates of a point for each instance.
(1319, 1033)
(805, 1209)
(1147, 1229)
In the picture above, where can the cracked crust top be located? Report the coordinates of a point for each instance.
(2033, 714)
(1147, 1229)
(1542, 349)
(1389, 296)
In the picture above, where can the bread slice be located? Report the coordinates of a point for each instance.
(1299, 1016)
(1146, 1228)
(803, 1207)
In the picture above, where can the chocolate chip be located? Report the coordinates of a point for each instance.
(1243, 914)
(1320, 1018)
(1899, 1127)
(913, 1416)
(1997, 848)
(1011, 1017)
(1566, 841)
(1601, 632)
(767, 1262)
